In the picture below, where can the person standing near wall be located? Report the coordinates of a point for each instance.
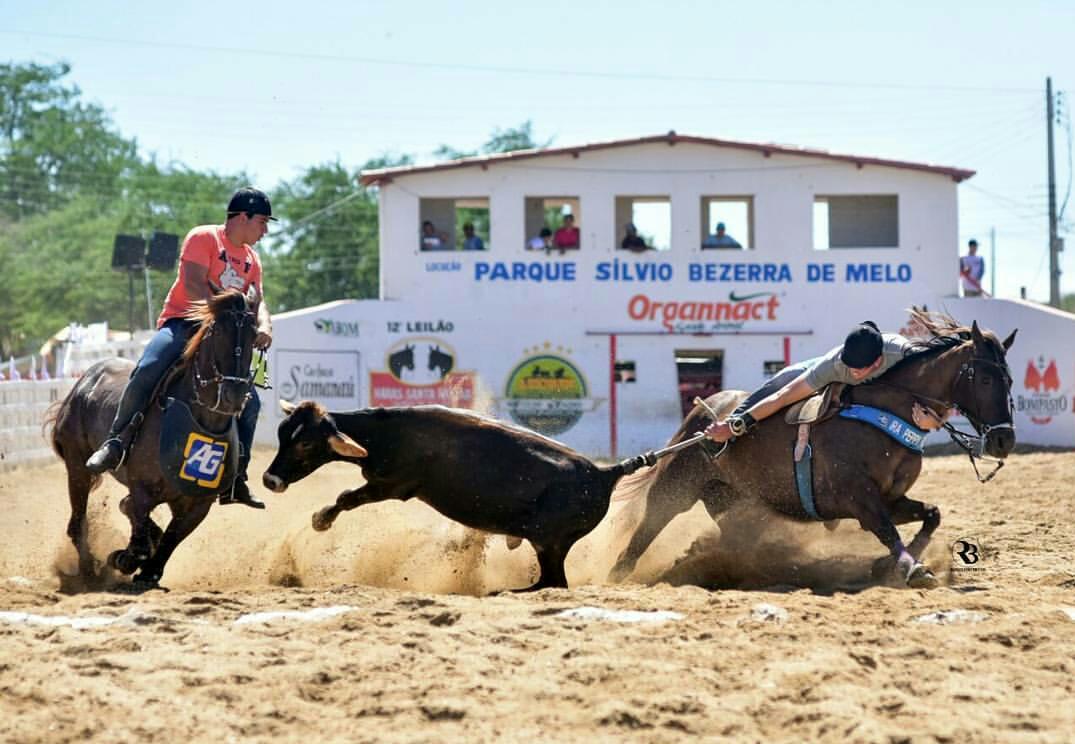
(971, 271)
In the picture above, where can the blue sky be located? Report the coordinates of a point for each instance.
(273, 87)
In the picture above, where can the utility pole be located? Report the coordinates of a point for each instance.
(992, 262)
(1054, 240)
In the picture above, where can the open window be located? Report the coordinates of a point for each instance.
(643, 223)
(553, 224)
(460, 224)
(728, 222)
(856, 221)
(699, 372)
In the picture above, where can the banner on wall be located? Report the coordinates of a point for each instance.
(328, 377)
(421, 371)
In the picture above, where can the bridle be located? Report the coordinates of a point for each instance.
(240, 318)
(972, 444)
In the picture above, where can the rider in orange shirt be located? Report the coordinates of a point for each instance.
(213, 255)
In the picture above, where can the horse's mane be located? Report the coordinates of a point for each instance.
(933, 332)
(203, 311)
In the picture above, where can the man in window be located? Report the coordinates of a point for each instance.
(721, 239)
(471, 242)
(632, 241)
(431, 240)
(567, 236)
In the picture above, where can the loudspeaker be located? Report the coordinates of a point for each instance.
(163, 251)
(128, 252)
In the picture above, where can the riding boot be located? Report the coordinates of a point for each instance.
(240, 494)
(112, 452)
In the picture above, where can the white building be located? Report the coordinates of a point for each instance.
(539, 336)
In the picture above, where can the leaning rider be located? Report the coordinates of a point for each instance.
(865, 354)
(220, 255)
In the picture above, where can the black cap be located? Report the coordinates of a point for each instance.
(862, 346)
(252, 201)
(973, 242)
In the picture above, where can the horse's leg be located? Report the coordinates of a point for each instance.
(551, 562)
(80, 482)
(187, 514)
(136, 506)
(346, 501)
(669, 497)
(907, 510)
(873, 516)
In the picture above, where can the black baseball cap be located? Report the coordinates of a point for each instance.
(862, 346)
(252, 201)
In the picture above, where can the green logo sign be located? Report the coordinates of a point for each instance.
(547, 393)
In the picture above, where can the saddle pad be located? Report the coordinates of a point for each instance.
(194, 461)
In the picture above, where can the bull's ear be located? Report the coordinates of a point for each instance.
(1007, 343)
(343, 445)
(286, 407)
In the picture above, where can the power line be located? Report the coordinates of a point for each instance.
(553, 72)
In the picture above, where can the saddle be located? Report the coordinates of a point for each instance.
(815, 409)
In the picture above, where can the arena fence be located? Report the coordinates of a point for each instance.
(22, 412)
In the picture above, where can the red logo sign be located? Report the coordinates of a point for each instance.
(1042, 382)
(705, 317)
(421, 371)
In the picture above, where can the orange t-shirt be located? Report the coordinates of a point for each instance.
(230, 266)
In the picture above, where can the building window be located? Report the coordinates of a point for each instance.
(460, 224)
(644, 223)
(859, 221)
(727, 222)
(700, 373)
(553, 224)
(624, 371)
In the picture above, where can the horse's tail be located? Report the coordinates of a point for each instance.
(636, 476)
(52, 423)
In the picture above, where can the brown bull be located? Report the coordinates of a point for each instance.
(477, 471)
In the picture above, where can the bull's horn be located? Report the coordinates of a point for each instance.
(286, 407)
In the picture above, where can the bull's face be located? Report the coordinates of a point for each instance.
(308, 439)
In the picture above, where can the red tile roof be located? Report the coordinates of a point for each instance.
(384, 175)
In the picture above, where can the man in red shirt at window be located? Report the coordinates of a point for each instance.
(213, 255)
(567, 237)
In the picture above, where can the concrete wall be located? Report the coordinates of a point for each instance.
(22, 411)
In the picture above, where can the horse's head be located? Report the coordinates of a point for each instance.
(982, 390)
(218, 354)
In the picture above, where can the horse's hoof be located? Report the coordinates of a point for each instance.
(921, 578)
(320, 522)
(144, 582)
(124, 561)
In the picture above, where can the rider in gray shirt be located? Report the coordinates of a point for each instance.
(864, 355)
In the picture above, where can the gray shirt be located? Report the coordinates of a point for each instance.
(827, 369)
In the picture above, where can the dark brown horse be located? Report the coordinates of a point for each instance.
(223, 341)
(859, 472)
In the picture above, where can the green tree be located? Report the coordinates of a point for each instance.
(54, 146)
(328, 246)
(502, 140)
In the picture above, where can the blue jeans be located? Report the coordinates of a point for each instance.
(160, 354)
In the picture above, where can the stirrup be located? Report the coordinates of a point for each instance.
(103, 458)
(239, 494)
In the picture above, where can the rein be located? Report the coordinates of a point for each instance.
(971, 444)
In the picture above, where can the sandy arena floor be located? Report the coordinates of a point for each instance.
(390, 639)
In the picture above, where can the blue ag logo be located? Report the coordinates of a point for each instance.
(203, 460)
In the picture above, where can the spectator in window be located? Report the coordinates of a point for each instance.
(971, 271)
(432, 240)
(471, 242)
(567, 237)
(720, 239)
(542, 242)
(632, 241)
